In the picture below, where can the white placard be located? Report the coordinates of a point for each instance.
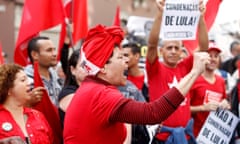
(218, 128)
(140, 26)
(180, 20)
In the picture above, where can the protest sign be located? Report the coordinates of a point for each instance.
(180, 20)
(140, 26)
(218, 128)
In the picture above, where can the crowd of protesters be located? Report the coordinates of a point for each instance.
(104, 97)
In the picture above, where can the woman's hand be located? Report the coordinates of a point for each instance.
(36, 96)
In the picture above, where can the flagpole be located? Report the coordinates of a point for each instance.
(69, 26)
(69, 32)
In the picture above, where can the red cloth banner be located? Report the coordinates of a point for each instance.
(210, 15)
(48, 109)
(1, 55)
(76, 12)
(117, 20)
(38, 15)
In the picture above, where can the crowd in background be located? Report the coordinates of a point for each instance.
(107, 85)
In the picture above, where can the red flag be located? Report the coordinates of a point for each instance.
(76, 11)
(48, 109)
(1, 54)
(80, 20)
(210, 15)
(238, 83)
(117, 20)
(37, 15)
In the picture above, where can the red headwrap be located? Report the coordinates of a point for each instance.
(98, 47)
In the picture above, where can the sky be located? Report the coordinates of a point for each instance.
(228, 11)
(228, 19)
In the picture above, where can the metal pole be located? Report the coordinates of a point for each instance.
(68, 22)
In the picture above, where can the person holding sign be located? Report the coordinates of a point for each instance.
(162, 76)
(208, 92)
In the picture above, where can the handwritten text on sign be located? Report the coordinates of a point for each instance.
(218, 128)
(180, 20)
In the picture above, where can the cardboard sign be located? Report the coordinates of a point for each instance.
(180, 20)
(140, 26)
(218, 128)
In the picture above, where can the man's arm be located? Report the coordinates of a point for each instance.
(200, 60)
(202, 33)
(65, 49)
(152, 51)
(130, 111)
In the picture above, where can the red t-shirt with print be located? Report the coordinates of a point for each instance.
(203, 92)
(160, 79)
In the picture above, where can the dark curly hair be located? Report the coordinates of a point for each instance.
(8, 74)
(70, 78)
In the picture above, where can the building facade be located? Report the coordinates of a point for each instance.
(99, 11)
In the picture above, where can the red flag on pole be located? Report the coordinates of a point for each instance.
(76, 12)
(80, 20)
(117, 20)
(210, 15)
(48, 109)
(1, 54)
(37, 15)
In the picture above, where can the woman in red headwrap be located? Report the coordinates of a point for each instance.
(98, 111)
